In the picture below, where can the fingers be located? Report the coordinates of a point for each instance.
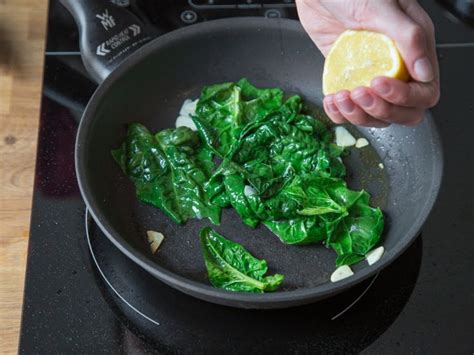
(380, 109)
(419, 15)
(363, 107)
(341, 109)
(411, 42)
(332, 111)
(354, 113)
(387, 17)
(411, 94)
(421, 93)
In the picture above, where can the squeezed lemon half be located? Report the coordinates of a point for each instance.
(357, 57)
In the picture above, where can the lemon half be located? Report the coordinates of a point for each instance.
(357, 57)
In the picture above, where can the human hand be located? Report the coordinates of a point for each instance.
(387, 100)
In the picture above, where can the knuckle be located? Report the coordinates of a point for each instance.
(415, 35)
(402, 97)
(429, 25)
(359, 11)
(425, 21)
(384, 112)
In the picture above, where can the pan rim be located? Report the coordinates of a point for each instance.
(277, 299)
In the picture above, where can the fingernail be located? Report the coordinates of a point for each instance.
(424, 70)
(365, 100)
(382, 88)
(346, 105)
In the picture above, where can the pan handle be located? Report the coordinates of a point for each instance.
(108, 33)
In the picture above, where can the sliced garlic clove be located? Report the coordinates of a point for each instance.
(188, 108)
(361, 143)
(342, 272)
(154, 239)
(374, 255)
(183, 121)
(344, 138)
(249, 191)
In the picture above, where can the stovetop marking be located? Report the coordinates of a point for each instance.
(105, 278)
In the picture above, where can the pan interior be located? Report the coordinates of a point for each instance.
(279, 55)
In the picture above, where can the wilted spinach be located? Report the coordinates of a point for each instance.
(224, 109)
(169, 171)
(231, 267)
(277, 166)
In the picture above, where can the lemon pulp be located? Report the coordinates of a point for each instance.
(357, 57)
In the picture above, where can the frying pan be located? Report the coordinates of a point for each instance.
(149, 87)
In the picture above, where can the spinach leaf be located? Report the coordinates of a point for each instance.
(265, 145)
(258, 103)
(218, 116)
(360, 231)
(306, 196)
(168, 171)
(142, 160)
(298, 231)
(248, 205)
(286, 144)
(231, 267)
(329, 212)
(224, 109)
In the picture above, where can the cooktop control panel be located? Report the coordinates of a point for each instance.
(167, 15)
(186, 12)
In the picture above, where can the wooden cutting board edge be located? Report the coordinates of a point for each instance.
(22, 40)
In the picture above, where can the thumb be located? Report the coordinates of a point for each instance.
(411, 42)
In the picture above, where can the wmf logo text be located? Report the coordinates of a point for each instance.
(106, 20)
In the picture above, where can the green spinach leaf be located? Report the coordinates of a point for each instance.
(360, 231)
(329, 212)
(231, 267)
(224, 109)
(245, 200)
(298, 231)
(277, 166)
(169, 171)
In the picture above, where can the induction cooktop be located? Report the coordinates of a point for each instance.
(82, 295)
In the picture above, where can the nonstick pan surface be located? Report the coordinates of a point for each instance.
(150, 86)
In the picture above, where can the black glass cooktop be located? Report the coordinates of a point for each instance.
(83, 296)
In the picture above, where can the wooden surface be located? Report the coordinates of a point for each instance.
(22, 33)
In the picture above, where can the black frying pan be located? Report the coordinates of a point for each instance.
(149, 87)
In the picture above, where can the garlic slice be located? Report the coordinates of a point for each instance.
(155, 239)
(361, 143)
(344, 138)
(184, 118)
(342, 272)
(374, 255)
(188, 108)
(183, 121)
(249, 191)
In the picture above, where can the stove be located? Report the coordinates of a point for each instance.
(82, 295)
